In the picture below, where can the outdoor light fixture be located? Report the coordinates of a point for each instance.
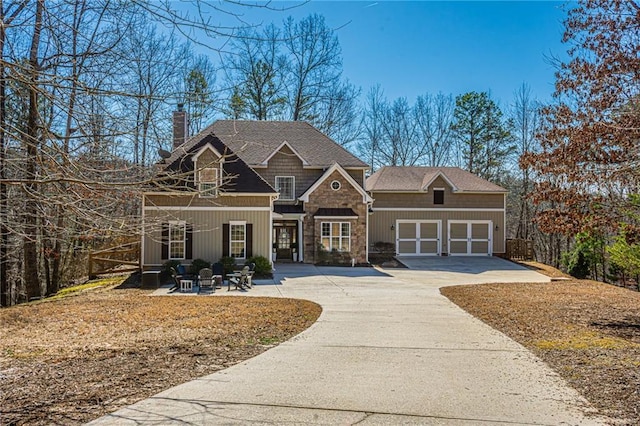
(392, 227)
(497, 227)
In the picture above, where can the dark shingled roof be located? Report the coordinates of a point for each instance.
(411, 179)
(256, 141)
(288, 208)
(242, 177)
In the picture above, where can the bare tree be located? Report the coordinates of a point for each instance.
(67, 161)
(199, 89)
(525, 118)
(400, 136)
(337, 114)
(433, 116)
(372, 117)
(256, 75)
(314, 64)
(156, 69)
(31, 143)
(6, 19)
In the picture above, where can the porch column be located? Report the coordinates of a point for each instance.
(300, 241)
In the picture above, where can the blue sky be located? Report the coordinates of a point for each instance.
(418, 47)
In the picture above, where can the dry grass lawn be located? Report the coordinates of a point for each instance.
(589, 332)
(71, 360)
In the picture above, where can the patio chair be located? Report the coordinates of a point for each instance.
(239, 279)
(182, 271)
(205, 278)
(175, 278)
(218, 274)
(180, 283)
(252, 270)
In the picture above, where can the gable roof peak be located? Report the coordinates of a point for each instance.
(279, 148)
(366, 198)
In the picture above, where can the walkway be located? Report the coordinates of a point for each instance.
(387, 349)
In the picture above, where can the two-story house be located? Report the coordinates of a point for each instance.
(282, 190)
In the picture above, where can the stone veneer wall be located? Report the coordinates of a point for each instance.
(346, 197)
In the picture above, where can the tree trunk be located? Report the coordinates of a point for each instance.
(4, 235)
(31, 279)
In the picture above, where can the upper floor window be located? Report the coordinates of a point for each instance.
(286, 186)
(438, 196)
(208, 180)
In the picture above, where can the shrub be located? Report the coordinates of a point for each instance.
(625, 255)
(576, 263)
(263, 266)
(586, 256)
(198, 264)
(384, 247)
(333, 257)
(170, 264)
(229, 264)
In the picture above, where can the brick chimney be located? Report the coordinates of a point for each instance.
(180, 126)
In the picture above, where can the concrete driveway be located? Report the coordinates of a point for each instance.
(387, 349)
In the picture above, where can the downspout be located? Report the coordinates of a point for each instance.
(270, 251)
(142, 233)
(369, 207)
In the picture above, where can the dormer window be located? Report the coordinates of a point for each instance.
(286, 186)
(438, 196)
(208, 181)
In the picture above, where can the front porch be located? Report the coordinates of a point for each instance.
(287, 235)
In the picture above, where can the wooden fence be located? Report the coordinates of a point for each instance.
(519, 249)
(122, 258)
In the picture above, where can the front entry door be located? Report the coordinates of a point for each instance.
(285, 236)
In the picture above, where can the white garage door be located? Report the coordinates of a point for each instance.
(418, 238)
(470, 238)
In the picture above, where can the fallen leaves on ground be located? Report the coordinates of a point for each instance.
(588, 332)
(74, 359)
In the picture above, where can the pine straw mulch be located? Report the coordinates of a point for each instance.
(547, 270)
(72, 360)
(588, 332)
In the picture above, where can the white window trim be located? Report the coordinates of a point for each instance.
(183, 224)
(209, 192)
(339, 237)
(293, 188)
(434, 194)
(339, 185)
(244, 241)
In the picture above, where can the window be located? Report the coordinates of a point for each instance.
(237, 239)
(208, 181)
(438, 196)
(177, 240)
(286, 186)
(336, 236)
(335, 185)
